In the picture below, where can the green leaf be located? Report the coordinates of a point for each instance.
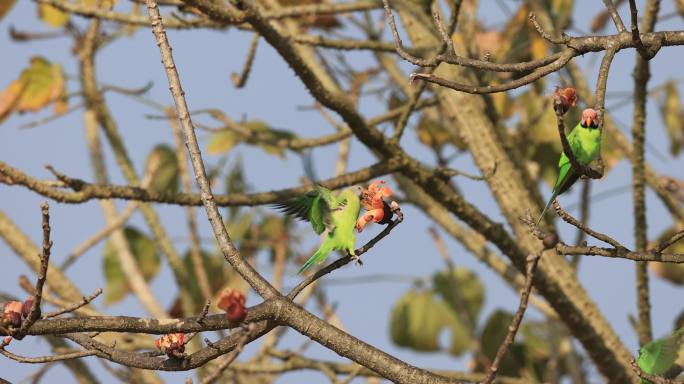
(52, 16)
(145, 253)
(235, 180)
(215, 266)
(166, 174)
(674, 273)
(267, 138)
(673, 117)
(239, 227)
(463, 287)
(222, 141)
(418, 319)
(493, 334)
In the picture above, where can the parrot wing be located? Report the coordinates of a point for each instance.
(566, 175)
(315, 206)
(658, 356)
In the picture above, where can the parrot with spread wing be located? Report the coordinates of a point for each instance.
(658, 356)
(334, 215)
(585, 141)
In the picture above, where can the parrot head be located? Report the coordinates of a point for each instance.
(589, 118)
(357, 190)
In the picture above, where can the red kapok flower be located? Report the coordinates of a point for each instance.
(233, 302)
(565, 98)
(172, 344)
(377, 209)
(11, 314)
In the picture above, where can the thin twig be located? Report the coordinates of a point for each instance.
(75, 306)
(240, 79)
(532, 261)
(213, 376)
(617, 20)
(34, 313)
(546, 36)
(90, 242)
(597, 235)
(636, 36)
(667, 243)
(200, 320)
(346, 259)
(47, 359)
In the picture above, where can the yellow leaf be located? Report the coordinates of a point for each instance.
(44, 84)
(52, 16)
(222, 141)
(9, 98)
(671, 113)
(538, 47)
(103, 4)
(5, 6)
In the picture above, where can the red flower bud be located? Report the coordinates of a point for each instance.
(233, 302)
(26, 307)
(565, 98)
(172, 344)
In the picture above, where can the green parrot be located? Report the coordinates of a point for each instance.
(585, 141)
(658, 356)
(334, 215)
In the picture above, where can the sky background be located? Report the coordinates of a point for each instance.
(205, 60)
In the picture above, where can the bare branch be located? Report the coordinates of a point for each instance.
(72, 308)
(532, 261)
(617, 20)
(34, 312)
(47, 359)
(572, 221)
(232, 255)
(228, 360)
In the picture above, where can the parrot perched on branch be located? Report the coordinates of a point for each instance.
(334, 215)
(585, 141)
(658, 356)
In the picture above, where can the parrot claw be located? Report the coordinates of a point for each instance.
(356, 259)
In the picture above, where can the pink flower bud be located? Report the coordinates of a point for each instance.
(172, 344)
(11, 314)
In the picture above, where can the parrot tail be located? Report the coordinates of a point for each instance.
(548, 204)
(317, 257)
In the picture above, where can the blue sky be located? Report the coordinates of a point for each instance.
(205, 60)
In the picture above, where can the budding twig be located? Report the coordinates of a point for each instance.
(34, 313)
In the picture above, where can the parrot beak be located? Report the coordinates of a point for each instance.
(588, 122)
